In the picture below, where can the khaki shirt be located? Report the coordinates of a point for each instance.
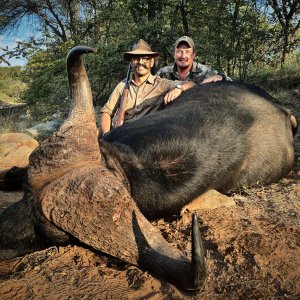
(152, 88)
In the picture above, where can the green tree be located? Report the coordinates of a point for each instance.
(237, 36)
(46, 77)
(288, 15)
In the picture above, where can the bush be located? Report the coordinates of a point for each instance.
(276, 79)
(48, 90)
(11, 84)
(8, 124)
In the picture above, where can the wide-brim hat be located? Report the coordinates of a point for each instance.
(185, 39)
(141, 48)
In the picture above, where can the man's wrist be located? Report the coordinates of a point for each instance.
(179, 86)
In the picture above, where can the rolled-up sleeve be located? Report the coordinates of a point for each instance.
(111, 105)
(169, 85)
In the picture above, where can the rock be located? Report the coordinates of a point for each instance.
(210, 200)
(45, 129)
(12, 110)
(15, 149)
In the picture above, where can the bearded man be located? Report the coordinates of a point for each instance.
(185, 67)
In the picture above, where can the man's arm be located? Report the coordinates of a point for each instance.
(105, 124)
(109, 110)
(205, 74)
(176, 92)
(213, 78)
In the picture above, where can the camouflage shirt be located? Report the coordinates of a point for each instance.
(197, 74)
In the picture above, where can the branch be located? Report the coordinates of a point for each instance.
(56, 17)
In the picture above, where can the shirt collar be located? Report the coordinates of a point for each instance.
(150, 79)
(194, 67)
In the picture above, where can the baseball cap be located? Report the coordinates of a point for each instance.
(185, 39)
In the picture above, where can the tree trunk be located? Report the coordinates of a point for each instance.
(185, 23)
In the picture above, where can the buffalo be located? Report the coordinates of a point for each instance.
(220, 136)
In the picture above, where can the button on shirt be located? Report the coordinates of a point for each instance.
(153, 87)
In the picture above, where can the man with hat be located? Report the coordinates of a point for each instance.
(186, 69)
(145, 90)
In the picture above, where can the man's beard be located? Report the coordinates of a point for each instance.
(183, 67)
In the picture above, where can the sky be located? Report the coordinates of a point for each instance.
(10, 42)
(20, 33)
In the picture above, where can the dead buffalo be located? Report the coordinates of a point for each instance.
(221, 136)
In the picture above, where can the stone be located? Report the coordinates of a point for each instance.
(44, 130)
(209, 200)
(15, 149)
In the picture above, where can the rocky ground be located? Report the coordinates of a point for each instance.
(251, 241)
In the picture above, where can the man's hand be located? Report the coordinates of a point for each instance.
(171, 96)
(105, 125)
(213, 79)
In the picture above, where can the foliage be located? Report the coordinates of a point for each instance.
(286, 13)
(8, 124)
(11, 84)
(285, 78)
(245, 38)
(47, 78)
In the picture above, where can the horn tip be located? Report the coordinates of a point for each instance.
(198, 262)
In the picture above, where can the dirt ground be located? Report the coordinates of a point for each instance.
(252, 251)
